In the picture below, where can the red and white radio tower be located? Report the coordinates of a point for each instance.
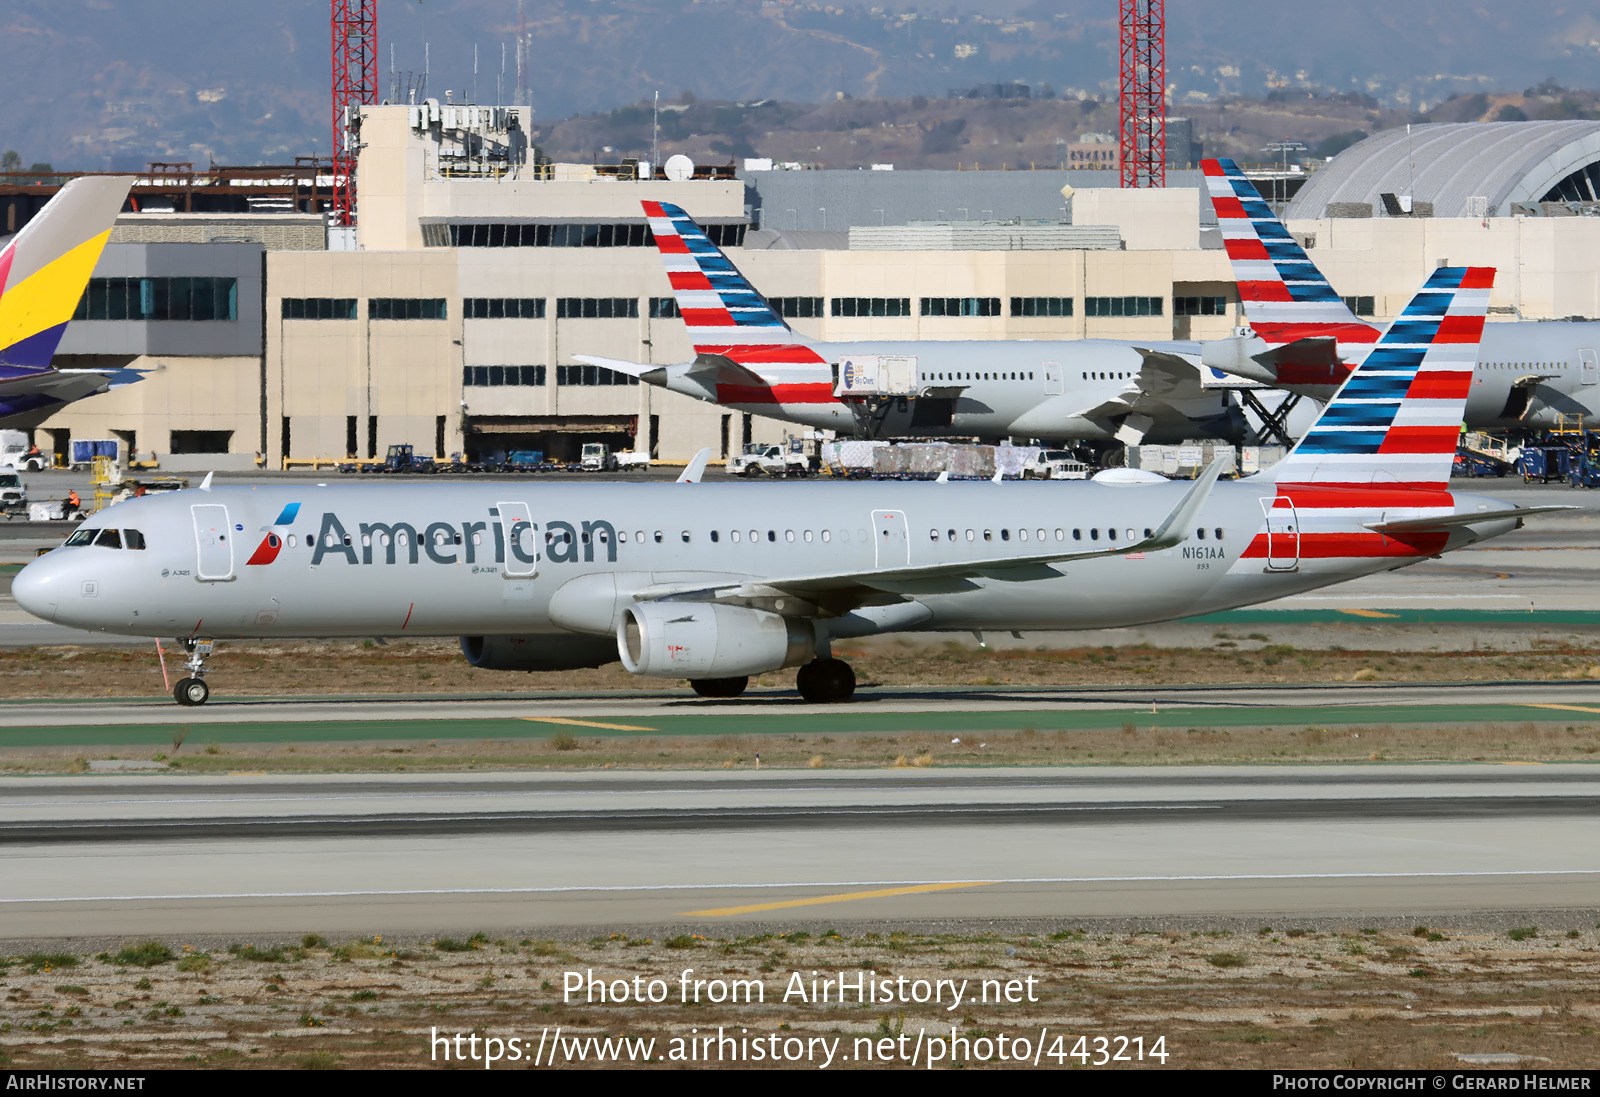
(1144, 88)
(355, 83)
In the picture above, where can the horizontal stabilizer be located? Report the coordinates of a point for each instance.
(1317, 351)
(617, 365)
(1446, 521)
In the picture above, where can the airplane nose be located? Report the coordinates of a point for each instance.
(35, 592)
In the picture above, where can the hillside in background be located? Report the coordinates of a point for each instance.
(113, 83)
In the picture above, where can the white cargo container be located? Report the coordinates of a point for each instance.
(876, 375)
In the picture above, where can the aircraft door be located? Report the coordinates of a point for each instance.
(522, 546)
(214, 542)
(1283, 534)
(1588, 366)
(1053, 383)
(889, 536)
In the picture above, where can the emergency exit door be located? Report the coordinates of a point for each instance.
(1283, 534)
(892, 543)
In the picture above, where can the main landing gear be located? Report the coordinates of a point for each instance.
(193, 689)
(826, 681)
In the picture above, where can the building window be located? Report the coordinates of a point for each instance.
(797, 308)
(872, 306)
(484, 376)
(406, 308)
(664, 308)
(201, 441)
(1041, 306)
(597, 308)
(1199, 306)
(592, 235)
(159, 299)
(319, 308)
(961, 306)
(503, 308)
(592, 375)
(1361, 306)
(1122, 306)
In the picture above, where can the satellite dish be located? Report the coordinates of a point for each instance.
(678, 168)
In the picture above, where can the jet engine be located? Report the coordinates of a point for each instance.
(704, 640)
(538, 652)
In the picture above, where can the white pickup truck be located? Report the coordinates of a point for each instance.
(774, 460)
(1054, 464)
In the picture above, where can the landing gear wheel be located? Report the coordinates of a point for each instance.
(720, 687)
(826, 681)
(191, 691)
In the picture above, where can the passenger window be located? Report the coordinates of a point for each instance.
(788, 535)
(714, 537)
(807, 536)
(1005, 535)
(1094, 535)
(952, 535)
(141, 541)
(1041, 536)
(638, 536)
(622, 538)
(109, 538)
(827, 535)
(1217, 531)
(1022, 535)
(772, 535)
(755, 535)
(1111, 534)
(659, 538)
(1061, 535)
(1200, 533)
(1077, 535)
(933, 535)
(733, 535)
(1130, 534)
(686, 537)
(477, 538)
(971, 536)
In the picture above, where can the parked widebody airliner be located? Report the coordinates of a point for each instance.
(1306, 339)
(716, 582)
(43, 273)
(748, 359)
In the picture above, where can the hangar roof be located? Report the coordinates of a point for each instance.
(1451, 164)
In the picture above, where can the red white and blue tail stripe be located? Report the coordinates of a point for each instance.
(1396, 419)
(719, 305)
(1284, 295)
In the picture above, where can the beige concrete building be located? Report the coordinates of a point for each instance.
(450, 318)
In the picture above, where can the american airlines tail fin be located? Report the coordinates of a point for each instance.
(1285, 296)
(1396, 419)
(724, 313)
(46, 267)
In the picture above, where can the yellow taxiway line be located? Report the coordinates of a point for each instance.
(1565, 708)
(842, 897)
(585, 723)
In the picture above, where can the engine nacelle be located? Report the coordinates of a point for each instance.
(551, 652)
(705, 640)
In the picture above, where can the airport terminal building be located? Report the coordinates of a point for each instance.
(450, 316)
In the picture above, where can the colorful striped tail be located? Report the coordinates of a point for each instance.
(46, 267)
(719, 306)
(1285, 296)
(1397, 417)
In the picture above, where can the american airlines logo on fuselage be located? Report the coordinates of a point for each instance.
(463, 542)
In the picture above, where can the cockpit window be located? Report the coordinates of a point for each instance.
(82, 537)
(109, 538)
(133, 539)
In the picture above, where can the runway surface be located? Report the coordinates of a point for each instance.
(781, 712)
(515, 852)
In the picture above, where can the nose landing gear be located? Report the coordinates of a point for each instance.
(193, 689)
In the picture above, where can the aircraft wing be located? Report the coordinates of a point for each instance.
(839, 592)
(1167, 373)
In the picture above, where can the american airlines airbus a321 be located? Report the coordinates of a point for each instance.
(716, 582)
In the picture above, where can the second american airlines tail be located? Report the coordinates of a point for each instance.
(715, 583)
